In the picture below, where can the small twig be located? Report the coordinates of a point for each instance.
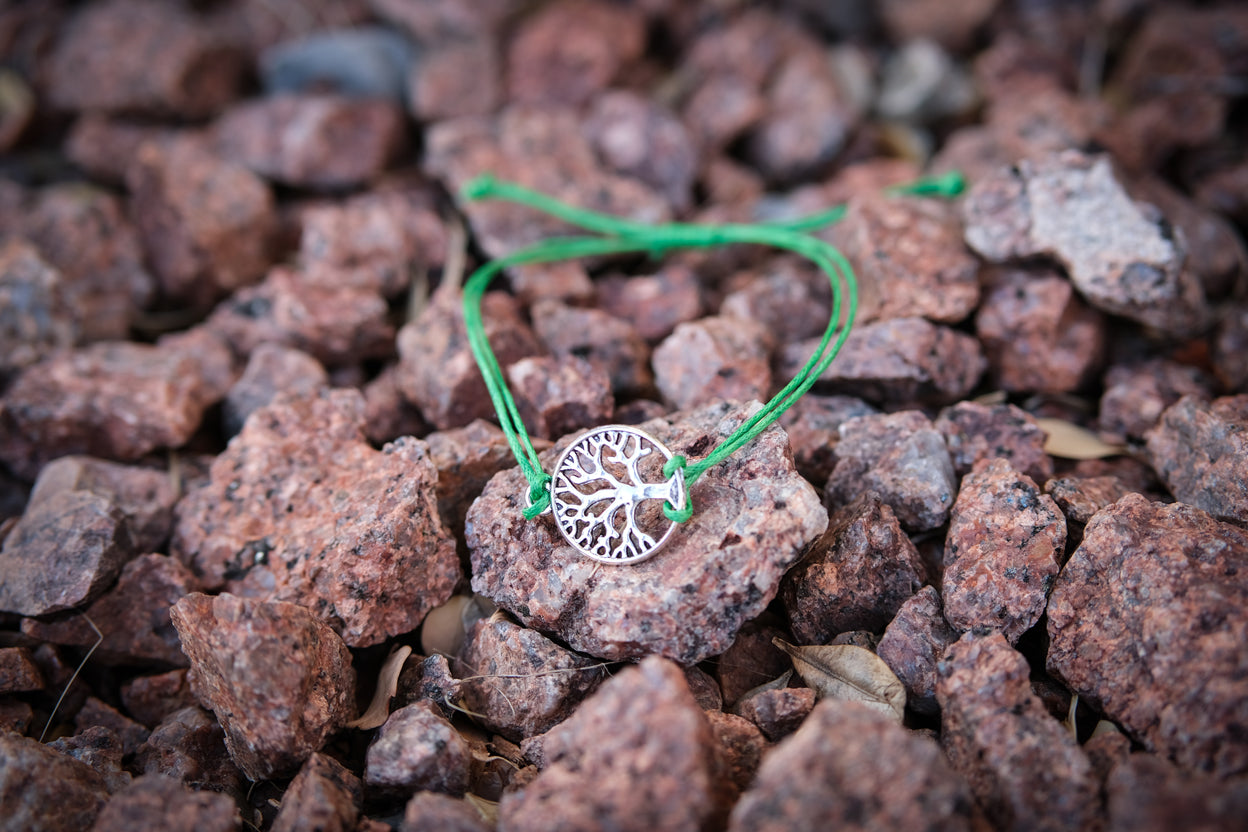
(99, 638)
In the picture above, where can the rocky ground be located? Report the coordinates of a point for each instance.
(991, 574)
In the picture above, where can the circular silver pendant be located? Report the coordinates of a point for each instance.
(607, 493)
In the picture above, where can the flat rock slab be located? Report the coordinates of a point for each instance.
(850, 767)
(1148, 622)
(753, 516)
(638, 756)
(301, 508)
(278, 680)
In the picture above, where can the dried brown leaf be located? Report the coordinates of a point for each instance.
(1070, 441)
(444, 631)
(845, 671)
(387, 685)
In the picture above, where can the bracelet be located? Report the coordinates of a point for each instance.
(616, 493)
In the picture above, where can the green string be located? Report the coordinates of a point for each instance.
(621, 236)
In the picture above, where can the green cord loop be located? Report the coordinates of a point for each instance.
(620, 236)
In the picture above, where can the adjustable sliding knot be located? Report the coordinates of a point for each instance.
(671, 512)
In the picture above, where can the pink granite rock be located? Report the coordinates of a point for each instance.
(301, 508)
(141, 56)
(157, 802)
(117, 400)
(777, 711)
(63, 552)
(1136, 394)
(518, 682)
(975, 432)
(1144, 793)
(813, 425)
(100, 748)
(913, 645)
(1006, 538)
(1229, 343)
(453, 78)
(207, 224)
(598, 337)
(149, 699)
(953, 28)
(37, 317)
(1024, 768)
(1147, 625)
(849, 767)
(433, 812)
(901, 457)
(558, 396)
(1038, 335)
(128, 734)
(903, 361)
(189, 746)
(788, 296)
(336, 326)
(271, 369)
(654, 304)
(132, 616)
(568, 51)
(855, 577)
(741, 746)
(313, 141)
(1200, 450)
(638, 755)
(713, 358)
(909, 257)
(436, 369)
(387, 414)
(753, 515)
(417, 750)
(1119, 254)
(18, 671)
(278, 680)
(324, 795)
(43, 789)
(638, 137)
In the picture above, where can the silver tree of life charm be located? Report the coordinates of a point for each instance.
(607, 494)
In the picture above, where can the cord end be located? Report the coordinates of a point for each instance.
(946, 185)
(479, 187)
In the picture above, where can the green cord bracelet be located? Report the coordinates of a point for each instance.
(599, 492)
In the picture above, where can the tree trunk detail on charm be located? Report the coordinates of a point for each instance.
(599, 491)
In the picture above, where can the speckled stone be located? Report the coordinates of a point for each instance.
(1038, 335)
(313, 140)
(207, 225)
(436, 370)
(813, 425)
(1080, 498)
(149, 699)
(271, 368)
(387, 415)
(741, 746)
(189, 746)
(713, 358)
(753, 515)
(145, 496)
(558, 396)
(913, 645)
(433, 812)
(850, 767)
(654, 304)
(598, 337)
(542, 148)
(1136, 394)
(350, 532)
(637, 136)
(568, 51)
(132, 616)
(777, 712)
(324, 795)
(417, 750)
(18, 671)
(1145, 793)
(752, 659)
(909, 257)
(1005, 540)
(129, 734)
(855, 577)
(1024, 768)
(157, 802)
(901, 457)
(1119, 254)
(1230, 341)
(975, 432)
(37, 318)
(63, 552)
(100, 748)
(116, 400)
(456, 77)
(788, 296)
(45, 790)
(1200, 451)
(278, 680)
(1170, 578)
(336, 325)
(638, 755)
(902, 361)
(520, 683)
